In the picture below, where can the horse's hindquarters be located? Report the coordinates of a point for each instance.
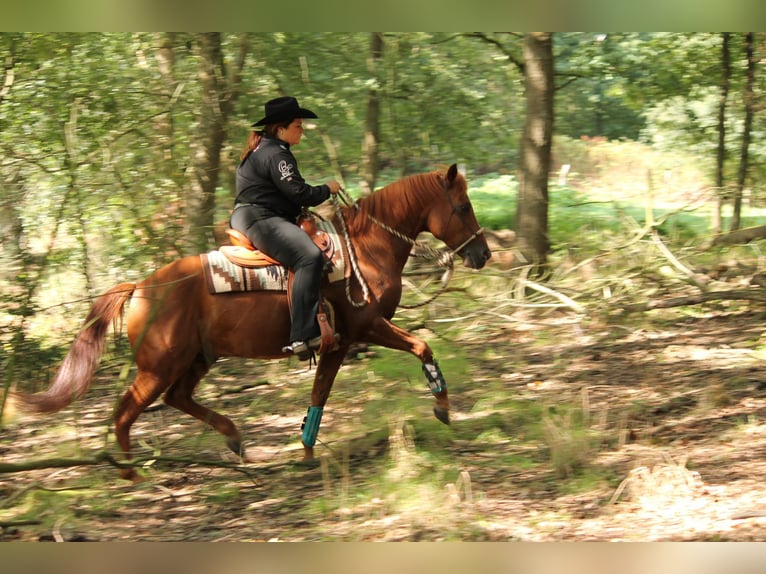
(174, 317)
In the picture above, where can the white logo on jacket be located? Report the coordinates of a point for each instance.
(286, 169)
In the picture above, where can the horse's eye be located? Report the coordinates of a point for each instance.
(464, 208)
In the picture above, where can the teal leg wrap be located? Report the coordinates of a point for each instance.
(434, 377)
(310, 426)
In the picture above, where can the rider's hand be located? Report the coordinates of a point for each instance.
(334, 186)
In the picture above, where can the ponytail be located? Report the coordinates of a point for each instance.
(252, 142)
(256, 136)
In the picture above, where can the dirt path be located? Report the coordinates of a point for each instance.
(672, 413)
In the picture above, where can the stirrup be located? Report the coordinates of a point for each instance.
(304, 350)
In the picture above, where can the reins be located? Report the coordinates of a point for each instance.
(350, 249)
(443, 258)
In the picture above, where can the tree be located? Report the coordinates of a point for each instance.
(370, 163)
(532, 206)
(590, 93)
(721, 147)
(749, 102)
(219, 92)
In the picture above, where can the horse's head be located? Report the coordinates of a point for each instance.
(452, 220)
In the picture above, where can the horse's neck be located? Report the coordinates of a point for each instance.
(384, 227)
(376, 247)
(400, 206)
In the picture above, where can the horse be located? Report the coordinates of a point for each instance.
(177, 329)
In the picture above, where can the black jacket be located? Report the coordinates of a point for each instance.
(268, 180)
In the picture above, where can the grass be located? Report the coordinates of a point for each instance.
(608, 188)
(413, 490)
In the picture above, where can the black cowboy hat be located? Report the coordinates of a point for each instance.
(283, 109)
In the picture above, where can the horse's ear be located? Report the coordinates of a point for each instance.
(452, 173)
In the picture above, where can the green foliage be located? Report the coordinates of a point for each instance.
(97, 137)
(98, 141)
(494, 200)
(595, 102)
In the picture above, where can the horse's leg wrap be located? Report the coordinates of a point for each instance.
(310, 425)
(434, 376)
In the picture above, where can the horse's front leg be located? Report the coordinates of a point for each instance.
(386, 334)
(327, 369)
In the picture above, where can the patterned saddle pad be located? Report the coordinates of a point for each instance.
(224, 276)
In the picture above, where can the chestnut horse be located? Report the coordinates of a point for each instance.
(177, 329)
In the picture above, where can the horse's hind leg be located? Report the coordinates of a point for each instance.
(180, 396)
(143, 392)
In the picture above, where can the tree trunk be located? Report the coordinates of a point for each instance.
(372, 120)
(12, 225)
(721, 150)
(532, 208)
(749, 98)
(166, 59)
(206, 159)
(219, 93)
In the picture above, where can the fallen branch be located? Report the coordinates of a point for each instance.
(100, 458)
(106, 458)
(738, 295)
(683, 269)
(16, 523)
(566, 301)
(739, 236)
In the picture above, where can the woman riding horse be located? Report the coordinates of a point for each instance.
(270, 196)
(177, 329)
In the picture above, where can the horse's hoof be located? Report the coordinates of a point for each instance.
(235, 446)
(442, 414)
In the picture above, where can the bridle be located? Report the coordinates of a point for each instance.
(456, 209)
(444, 258)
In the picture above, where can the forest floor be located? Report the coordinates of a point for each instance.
(562, 430)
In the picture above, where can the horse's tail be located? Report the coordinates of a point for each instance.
(75, 374)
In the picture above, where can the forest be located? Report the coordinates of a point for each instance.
(604, 367)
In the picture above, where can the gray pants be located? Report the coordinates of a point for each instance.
(284, 241)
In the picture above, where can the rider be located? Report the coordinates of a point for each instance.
(270, 196)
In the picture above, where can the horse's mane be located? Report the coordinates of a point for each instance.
(409, 194)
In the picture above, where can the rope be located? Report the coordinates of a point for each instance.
(354, 263)
(444, 258)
